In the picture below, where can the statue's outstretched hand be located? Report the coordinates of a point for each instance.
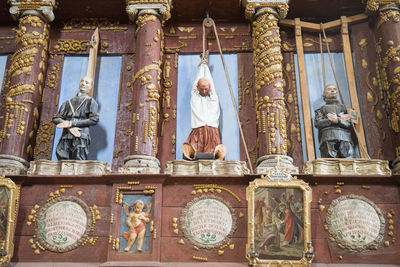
(64, 124)
(75, 131)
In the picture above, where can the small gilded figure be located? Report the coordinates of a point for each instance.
(136, 221)
(335, 130)
(75, 116)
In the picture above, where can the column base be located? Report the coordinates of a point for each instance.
(143, 164)
(69, 167)
(348, 167)
(268, 162)
(206, 167)
(396, 166)
(12, 165)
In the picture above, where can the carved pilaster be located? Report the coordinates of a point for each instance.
(270, 102)
(145, 83)
(24, 86)
(40, 8)
(387, 35)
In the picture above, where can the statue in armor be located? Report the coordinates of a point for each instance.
(75, 117)
(335, 130)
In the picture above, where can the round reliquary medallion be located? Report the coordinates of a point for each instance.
(208, 222)
(63, 224)
(355, 222)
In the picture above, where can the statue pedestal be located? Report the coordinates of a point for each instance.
(347, 167)
(206, 167)
(144, 164)
(12, 165)
(268, 162)
(69, 167)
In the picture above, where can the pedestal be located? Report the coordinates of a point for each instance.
(69, 167)
(12, 165)
(140, 164)
(268, 162)
(206, 167)
(347, 167)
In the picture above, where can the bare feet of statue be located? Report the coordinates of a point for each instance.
(220, 152)
(139, 250)
(188, 151)
(126, 249)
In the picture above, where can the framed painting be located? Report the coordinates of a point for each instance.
(9, 197)
(279, 232)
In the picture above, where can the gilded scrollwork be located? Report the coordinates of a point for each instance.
(43, 138)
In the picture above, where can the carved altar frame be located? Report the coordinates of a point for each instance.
(251, 254)
(12, 210)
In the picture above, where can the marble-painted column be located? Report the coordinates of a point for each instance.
(270, 101)
(387, 36)
(23, 86)
(145, 84)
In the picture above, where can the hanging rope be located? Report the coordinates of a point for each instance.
(322, 61)
(361, 146)
(209, 22)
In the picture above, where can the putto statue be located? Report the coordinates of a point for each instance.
(335, 131)
(75, 117)
(205, 111)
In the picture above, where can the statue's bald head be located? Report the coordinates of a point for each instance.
(330, 93)
(86, 84)
(203, 85)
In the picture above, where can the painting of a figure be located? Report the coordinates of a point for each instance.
(279, 223)
(135, 223)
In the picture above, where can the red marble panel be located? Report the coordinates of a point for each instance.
(247, 112)
(50, 98)
(371, 93)
(7, 39)
(88, 253)
(91, 194)
(167, 123)
(124, 127)
(311, 43)
(188, 38)
(171, 251)
(112, 41)
(293, 129)
(179, 196)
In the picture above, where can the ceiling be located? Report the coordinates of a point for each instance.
(195, 10)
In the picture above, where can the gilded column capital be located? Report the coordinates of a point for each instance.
(161, 8)
(41, 8)
(377, 5)
(253, 8)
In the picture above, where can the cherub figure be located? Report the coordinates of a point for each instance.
(136, 222)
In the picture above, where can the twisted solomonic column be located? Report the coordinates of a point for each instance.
(23, 86)
(270, 101)
(149, 17)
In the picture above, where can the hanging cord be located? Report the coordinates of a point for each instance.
(208, 22)
(361, 146)
(322, 61)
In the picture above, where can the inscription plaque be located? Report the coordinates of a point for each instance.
(208, 222)
(355, 222)
(63, 224)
